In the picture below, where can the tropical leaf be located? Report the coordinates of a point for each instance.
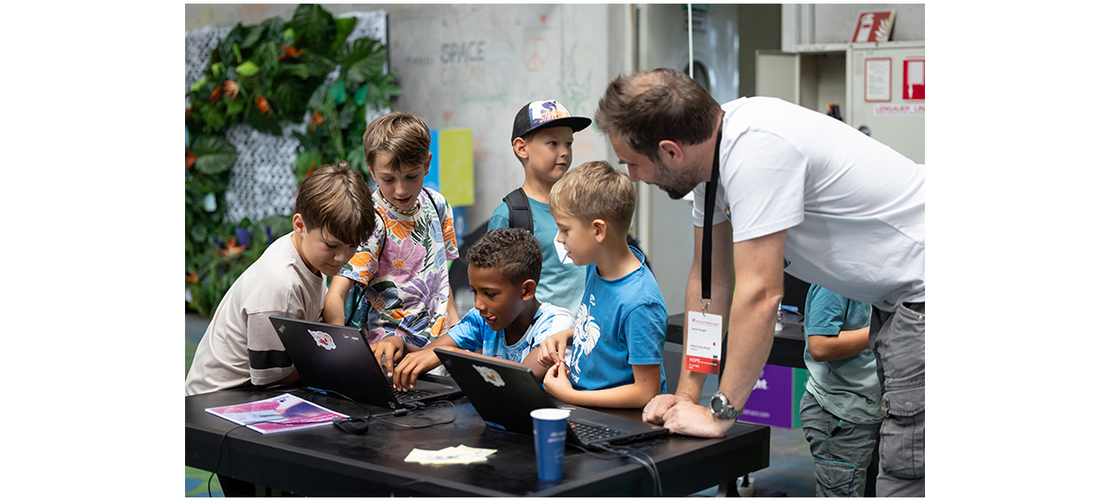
(247, 69)
(317, 63)
(316, 100)
(315, 28)
(360, 95)
(214, 154)
(343, 28)
(338, 93)
(347, 115)
(262, 122)
(253, 35)
(363, 59)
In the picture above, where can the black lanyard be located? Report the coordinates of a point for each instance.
(707, 225)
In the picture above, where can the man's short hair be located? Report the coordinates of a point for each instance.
(513, 251)
(404, 137)
(337, 199)
(595, 190)
(663, 104)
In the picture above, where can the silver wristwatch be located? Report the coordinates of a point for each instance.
(720, 408)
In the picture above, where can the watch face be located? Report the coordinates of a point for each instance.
(717, 403)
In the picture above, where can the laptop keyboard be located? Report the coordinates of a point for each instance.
(587, 432)
(410, 395)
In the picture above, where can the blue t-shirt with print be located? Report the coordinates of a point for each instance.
(474, 334)
(561, 282)
(620, 323)
(847, 388)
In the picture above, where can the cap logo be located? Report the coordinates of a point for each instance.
(544, 111)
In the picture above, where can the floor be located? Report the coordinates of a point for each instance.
(790, 472)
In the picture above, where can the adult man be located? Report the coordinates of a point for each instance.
(797, 190)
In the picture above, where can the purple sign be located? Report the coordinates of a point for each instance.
(771, 401)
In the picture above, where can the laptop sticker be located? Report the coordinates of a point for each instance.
(490, 375)
(323, 339)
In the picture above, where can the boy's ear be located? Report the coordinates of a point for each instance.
(298, 225)
(600, 228)
(528, 289)
(428, 164)
(520, 148)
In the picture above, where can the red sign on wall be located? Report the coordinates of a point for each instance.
(873, 27)
(913, 79)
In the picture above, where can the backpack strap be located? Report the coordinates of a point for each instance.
(520, 213)
(433, 201)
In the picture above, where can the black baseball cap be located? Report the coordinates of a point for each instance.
(538, 115)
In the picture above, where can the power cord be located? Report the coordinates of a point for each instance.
(220, 457)
(647, 462)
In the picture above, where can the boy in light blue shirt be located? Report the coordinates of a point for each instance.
(840, 409)
(615, 353)
(507, 322)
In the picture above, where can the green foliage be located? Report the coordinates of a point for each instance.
(265, 76)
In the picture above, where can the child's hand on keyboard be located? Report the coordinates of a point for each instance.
(414, 364)
(388, 351)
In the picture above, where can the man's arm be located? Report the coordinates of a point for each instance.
(758, 263)
(690, 383)
(843, 345)
(335, 298)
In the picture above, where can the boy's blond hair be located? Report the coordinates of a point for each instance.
(404, 137)
(595, 190)
(337, 199)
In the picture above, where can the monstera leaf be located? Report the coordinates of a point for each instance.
(315, 28)
(363, 59)
(214, 154)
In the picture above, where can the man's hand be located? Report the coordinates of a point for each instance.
(388, 351)
(690, 419)
(404, 376)
(658, 406)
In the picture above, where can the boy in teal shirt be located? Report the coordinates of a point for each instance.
(840, 409)
(543, 135)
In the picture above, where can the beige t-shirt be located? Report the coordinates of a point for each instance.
(240, 344)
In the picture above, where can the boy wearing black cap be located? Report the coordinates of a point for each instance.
(543, 133)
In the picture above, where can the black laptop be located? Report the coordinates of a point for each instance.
(337, 358)
(504, 394)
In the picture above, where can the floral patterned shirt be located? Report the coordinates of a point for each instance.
(402, 271)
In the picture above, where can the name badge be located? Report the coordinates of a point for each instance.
(703, 342)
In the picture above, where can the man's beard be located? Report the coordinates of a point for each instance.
(675, 184)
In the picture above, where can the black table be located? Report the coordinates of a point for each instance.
(324, 461)
(787, 349)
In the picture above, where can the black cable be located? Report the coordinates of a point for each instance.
(220, 457)
(454, 414)
(647, 462)
(395, 413)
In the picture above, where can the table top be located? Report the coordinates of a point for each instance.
(324, 461)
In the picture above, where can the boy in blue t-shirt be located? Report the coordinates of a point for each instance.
(840, 408)
(507, 322)
(543, 134)
(616, 353)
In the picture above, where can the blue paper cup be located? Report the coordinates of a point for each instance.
(549, 431)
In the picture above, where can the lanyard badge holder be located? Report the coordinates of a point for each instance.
(704, 339)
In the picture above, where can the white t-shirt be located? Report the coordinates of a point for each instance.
(240, 344)
(854, 207)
